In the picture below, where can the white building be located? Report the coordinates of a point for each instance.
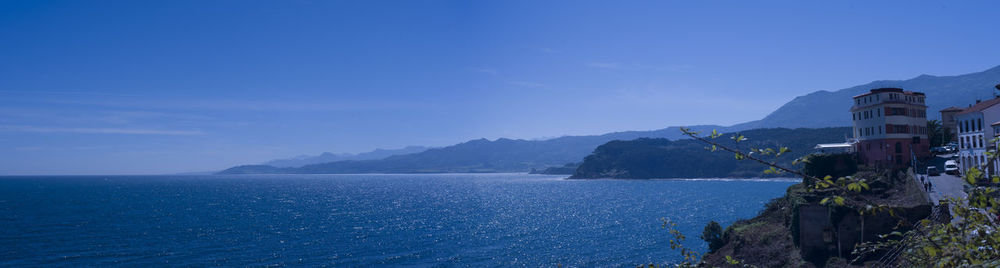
(975, 130)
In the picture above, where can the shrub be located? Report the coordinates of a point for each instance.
(713, 235)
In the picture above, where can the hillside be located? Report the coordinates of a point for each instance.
(662, 158)
(815, 110)
(827, 109)
(332, 157)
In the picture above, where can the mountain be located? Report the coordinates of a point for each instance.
(662, 158)
(815, 110)
(331, 157)
(828, 109)
(482, 155)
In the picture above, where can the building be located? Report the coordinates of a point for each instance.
(890, 126)
(948, 121)
(837, 148)
(975, 131)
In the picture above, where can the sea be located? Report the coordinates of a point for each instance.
(426, 220)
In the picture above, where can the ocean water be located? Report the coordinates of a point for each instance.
(361, 220)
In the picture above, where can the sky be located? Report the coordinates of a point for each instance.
(159, 87)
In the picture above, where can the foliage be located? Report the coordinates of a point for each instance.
(937, 134)
(688, 158)
(973, 241)
(834, 165)
(712, 234)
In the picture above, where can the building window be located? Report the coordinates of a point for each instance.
(979, 126)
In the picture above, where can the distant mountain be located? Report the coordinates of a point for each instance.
(829, 109)
(662, 158)
(331, 157)
(815, 110)
(482, 155)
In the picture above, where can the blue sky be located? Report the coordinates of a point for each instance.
(147, 87)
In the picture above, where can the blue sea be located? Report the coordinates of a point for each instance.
(361, 220)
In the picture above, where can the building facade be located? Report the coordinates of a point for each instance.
(948, 121)
(975, 131)
(890, 126)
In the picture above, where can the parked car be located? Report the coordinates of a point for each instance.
(940, 150)
(933, 171)
(951, 167)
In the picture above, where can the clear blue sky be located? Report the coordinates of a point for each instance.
(140, 87)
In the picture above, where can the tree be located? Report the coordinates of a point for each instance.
(712, 235)
(974, 241)
(937, 134)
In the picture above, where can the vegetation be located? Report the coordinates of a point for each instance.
(567, 169)
(712, 235)
(833, 165)
(974, 241)
(938, 135)
(661, 158)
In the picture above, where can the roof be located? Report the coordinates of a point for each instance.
(890, 89)
(979, 107)
(832, 145)
(952, 109)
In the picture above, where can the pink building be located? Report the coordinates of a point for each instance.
(890, 125)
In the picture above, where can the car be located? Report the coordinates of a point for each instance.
(940, 150)
(933, 171)
(951, 167)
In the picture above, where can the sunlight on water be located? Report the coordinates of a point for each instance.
(351, 220)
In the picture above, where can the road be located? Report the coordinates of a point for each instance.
(946, 186)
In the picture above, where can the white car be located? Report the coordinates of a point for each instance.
(951, 167)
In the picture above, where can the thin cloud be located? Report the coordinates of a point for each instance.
(127, 131)
(605, 65)
(547, 50)
(525, 84)
(486, 71)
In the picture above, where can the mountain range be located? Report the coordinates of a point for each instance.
(815, 110)
(327, 157)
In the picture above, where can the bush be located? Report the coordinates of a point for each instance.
(713, 235)
(834, 165)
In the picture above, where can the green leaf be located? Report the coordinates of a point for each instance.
(839, 200)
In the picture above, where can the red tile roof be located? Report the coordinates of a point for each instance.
(981, 106)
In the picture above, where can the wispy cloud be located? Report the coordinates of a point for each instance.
(486, 71)
(128, 131)
(525, 84)
(547, 50)
(679, 67)
(605, 65)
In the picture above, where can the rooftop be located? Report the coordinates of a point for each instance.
(890, 89)
(980, 106)
(952, 109)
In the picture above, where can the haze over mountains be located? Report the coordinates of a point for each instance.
(815, 110)
(327, 157)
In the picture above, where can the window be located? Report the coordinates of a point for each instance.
(979, 126)
(879, 130)
(879, 112)
(899, 147)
